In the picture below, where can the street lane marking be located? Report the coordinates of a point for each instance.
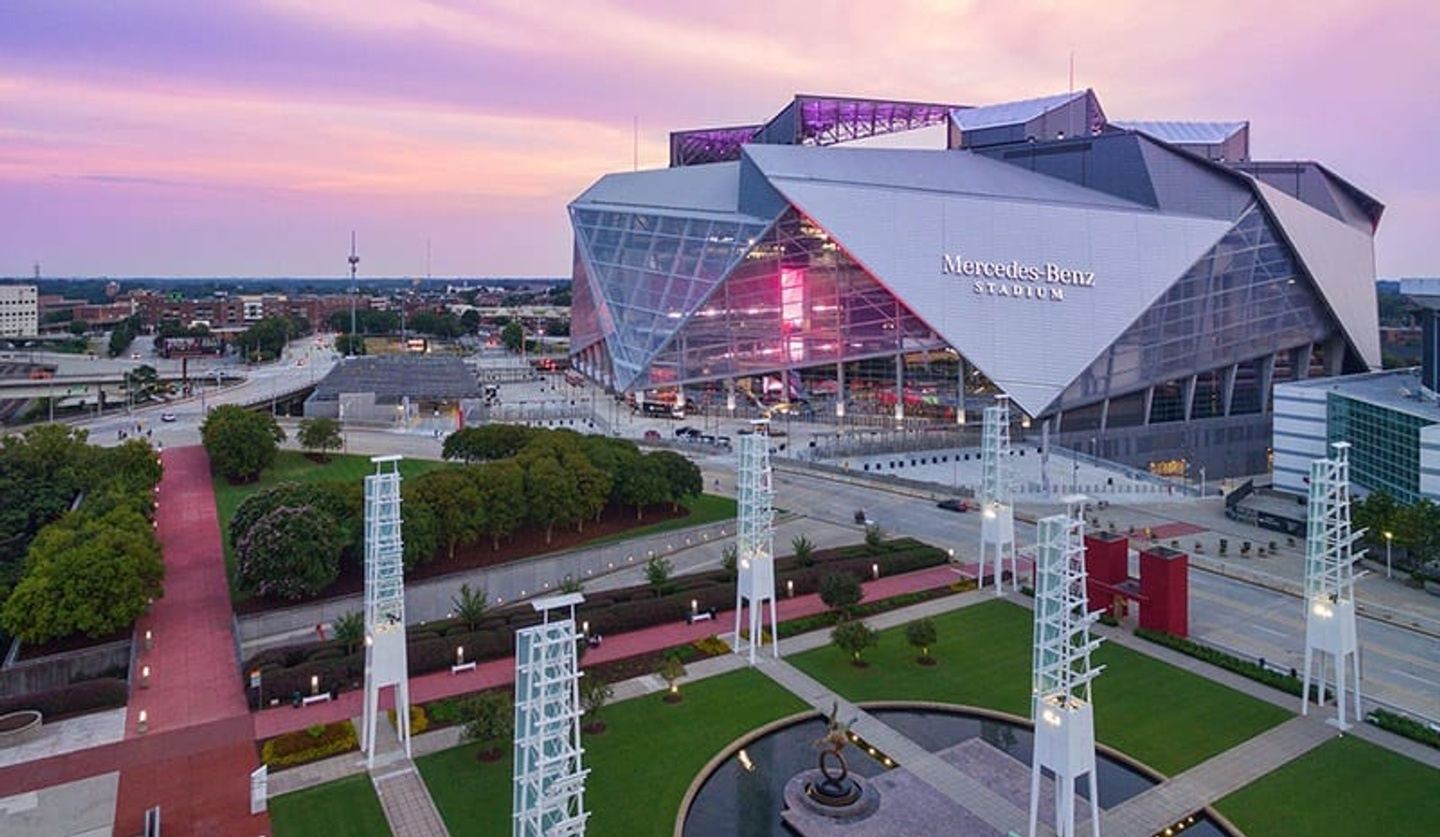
(1271, 631)
(1416, 678)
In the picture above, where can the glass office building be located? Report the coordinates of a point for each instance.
(1140, 287)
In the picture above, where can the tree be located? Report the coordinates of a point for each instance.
(682, 476)
(642, 483)
(86, 574)
(729, 557)
(421, 529)
(470, 605)
(550, 494)
(332, 498)
(612, 456)
(266, 339)
(123, 334)
(512, 335)
(841, 592)
(922, 634)
(320, 434)
(349, 630)
(470, 320)
(502, 491)
(804, 550)
(351, 345)
(452, 497)
(79, 328)
(437, 325)
(853, 638)
(241, 443)
(874, 536)
(290, 553)
(1417, 531)
(657, 574)
(671, 669)
(489, 718)
(487, 442)
(594, 694)
(1377, 512)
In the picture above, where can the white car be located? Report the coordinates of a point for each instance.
(167, 417)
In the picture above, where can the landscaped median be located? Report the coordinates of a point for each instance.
(348, 806)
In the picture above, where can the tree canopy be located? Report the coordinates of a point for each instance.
(321, 435)
(293, 552)
(241, 443)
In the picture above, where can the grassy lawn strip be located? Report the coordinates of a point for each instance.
(348, 806)
(984, 654)
(1344, 786)
(642, 764)
(707, 508)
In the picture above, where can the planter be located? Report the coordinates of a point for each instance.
(19, 727)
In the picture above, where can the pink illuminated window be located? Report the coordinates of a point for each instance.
(792, 297)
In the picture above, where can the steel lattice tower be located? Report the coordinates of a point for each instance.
(1330, 580)
(549, 791)
(997, 524)
(755, 541)
(1061, 670)
(385, 659)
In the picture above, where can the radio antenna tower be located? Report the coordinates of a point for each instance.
(997, 522)
(354, 291)
(755, 537)
(1330, 581)
(1061, 670)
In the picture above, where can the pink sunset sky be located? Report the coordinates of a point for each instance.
(220, 137)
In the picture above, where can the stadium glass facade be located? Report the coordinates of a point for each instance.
(1139, 296)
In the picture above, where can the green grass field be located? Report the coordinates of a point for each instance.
(347, 806)
(707, 508)
(1344, 786)
(984, 654)
(641, 765)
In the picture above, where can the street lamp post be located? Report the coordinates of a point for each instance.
(1389, 536)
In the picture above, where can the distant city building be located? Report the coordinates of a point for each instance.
(19, 311)
(1139, 286)
(228, 314)
(1391, 419)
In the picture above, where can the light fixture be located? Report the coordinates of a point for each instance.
(459, 655)
(145, 677)
(142, 724)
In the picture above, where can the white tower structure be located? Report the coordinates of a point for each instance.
(1330, 580)
(1061, 708)
(997, 523)
(549, 799)
(755, 540)
(385, 663)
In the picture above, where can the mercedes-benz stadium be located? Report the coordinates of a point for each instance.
(1138, 287)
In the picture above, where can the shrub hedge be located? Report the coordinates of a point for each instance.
(68, 701)
(1402, 725)
(307, 745)
(431, 646)
(1229, 662)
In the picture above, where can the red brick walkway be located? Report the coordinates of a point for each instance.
(618, 646)
(196, 759)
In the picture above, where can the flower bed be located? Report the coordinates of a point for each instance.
(310, 744)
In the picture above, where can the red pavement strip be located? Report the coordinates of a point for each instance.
(196, 758)
(499, 672)
(1178, 529)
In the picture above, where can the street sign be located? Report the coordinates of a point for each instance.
(255, 679)
(259, 789)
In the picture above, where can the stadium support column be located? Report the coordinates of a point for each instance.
(730, 396)
(1061, 670)
(755, 541)
(840, 389)
(960, 388)
(997, 521)
(385, 660)
(1330, 581)
(899, 387)
(549, 775)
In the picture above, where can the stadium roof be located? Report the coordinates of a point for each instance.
(1012, 113)
(1186, 133)
(394, 377)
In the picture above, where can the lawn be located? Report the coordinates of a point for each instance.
(348, 806)
(984, 654)
(1344, 786)
(707, 508)
(642, 764)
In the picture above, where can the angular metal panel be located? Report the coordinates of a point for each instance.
(1341, 260)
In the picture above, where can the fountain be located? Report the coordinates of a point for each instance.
(827, 794)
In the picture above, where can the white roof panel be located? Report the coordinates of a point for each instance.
(1010, 113)
(1185, 133)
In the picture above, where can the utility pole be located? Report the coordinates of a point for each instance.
(354, 291)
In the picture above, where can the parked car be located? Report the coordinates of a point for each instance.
(862, 518)
(955, 504)
(684, 431)
(652, 435)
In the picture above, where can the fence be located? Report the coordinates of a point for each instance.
(55, 671)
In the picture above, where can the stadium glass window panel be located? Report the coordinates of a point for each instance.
(1126, 411)
(1245, 396)
(1168, 402)
(1208, 394)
